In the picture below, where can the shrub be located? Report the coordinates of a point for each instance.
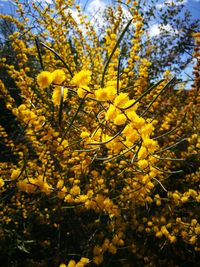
(106, 162)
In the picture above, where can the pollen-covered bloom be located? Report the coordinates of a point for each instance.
(56, 96)
(15, 174)
(58, 76)
(82, 78)
(83, 91)
(121, 100)
(44, 79)
(111, 113)
(120, 119)
(71, 263)
(1, 182)
(106, 94)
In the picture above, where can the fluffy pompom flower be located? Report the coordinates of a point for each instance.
(71, 263)
(82, 78)
(44, 79)
(105, 94)
(1, 182)
(111, 113)
(120, 119)
(56, 96)
(58, 76)
(83, 91)
(121, 100)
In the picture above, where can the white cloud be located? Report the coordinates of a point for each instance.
(95, 11)
(171, 3)
(156, 30)
(96, 6)
(43, 1)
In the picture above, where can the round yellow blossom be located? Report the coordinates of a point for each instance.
(111, 113)
(172, 239)
(193, 240)
(121, 100)
(159, 234)
(98, 259)
(56, 96)
(15, 174)
(62, 265)
(1, 182)
(24, 185)
(142, 154)
(84, 134)
(120, 119)
(71, 263)
(84, 260)
(75, 190)
(58, 76)
(44, 79)
(82, 78)
(60, 184)
(143, 164)
(83, 91)
(106, 94)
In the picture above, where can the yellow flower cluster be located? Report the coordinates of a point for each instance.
(94, 165)
(46, 78)
(83, 262)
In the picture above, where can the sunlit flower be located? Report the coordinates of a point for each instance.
(44, 79)
(82, 78)
(56, 96)
(120, 119)
(106, 94)
(15, 174)
(58, 76)
(83, 91)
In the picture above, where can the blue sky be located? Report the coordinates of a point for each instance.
(8, 7)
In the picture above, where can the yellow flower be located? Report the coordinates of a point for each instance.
(71, 263)
(1, 182)
(44, 79)
(82, 78)
(137, 122)
(130, 133)
(111, 113)
(83, 91)
(106, 94)
(84, 260)
(143, 164)
(85, 134)
(24, 185)
(15, 174)
(58, 76)
(142, 154)
(62, 265)
(121, 100)
(56, 96)
(75, 190)
(98, 259)
(120, 119)
(150, 144)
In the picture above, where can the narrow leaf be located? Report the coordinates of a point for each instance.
(114, 49)
(58, 56)
(61, 106)
(39, 53)
(144, 94)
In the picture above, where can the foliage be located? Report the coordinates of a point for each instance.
(106, 167)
